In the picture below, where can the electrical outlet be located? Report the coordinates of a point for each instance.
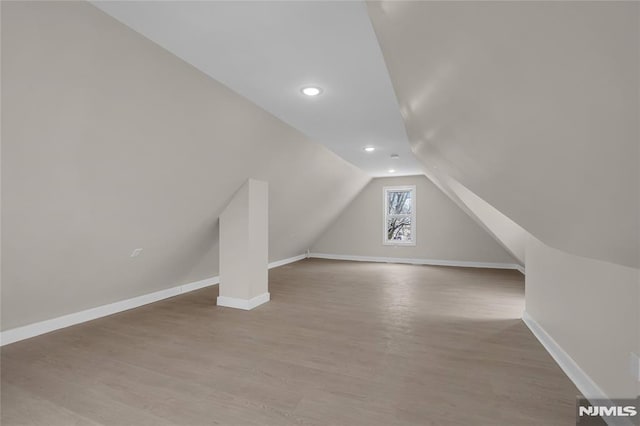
(136, 252)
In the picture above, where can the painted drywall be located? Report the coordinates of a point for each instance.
(244, 242)
(525, 115)
(591, 310)
(268, 50)
(532, 106)
(511, 236)
(444, 232)
(110, 143)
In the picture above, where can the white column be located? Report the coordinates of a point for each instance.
(244, 246)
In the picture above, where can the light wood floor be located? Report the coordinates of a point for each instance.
(341, 343)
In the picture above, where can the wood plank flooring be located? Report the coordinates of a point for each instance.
(341, 343)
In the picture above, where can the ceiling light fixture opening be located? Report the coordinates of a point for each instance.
(392, 171)
(311, 91)
(394, 156)
(369, 148)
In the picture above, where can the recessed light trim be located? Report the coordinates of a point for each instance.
(311, 91)
(392, 171)
(369, 148)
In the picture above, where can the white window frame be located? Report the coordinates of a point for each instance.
(385, 215)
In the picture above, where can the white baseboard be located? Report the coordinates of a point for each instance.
(583, 382)
(246, 304)
(46, 326)
(197, 285)
(32, 330)
(287, 261)
(432, 262)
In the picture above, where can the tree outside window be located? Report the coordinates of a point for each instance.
(399, 215)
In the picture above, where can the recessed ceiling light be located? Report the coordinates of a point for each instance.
(311, 91)
(369, 148)
(391, 171)
(394, 156)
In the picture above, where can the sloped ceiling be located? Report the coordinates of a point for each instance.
(268, 50)
(110, 143)
(533, 106)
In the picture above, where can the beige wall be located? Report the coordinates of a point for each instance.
(527, 115)
(590, 308)
(508, 233)
(444, 231)
(532, 106)
(110, 143)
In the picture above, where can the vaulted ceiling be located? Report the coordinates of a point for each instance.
(110, 143)
(529, 107)
(532, 106)
(269, 51)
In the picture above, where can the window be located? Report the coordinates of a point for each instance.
(399, 215)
